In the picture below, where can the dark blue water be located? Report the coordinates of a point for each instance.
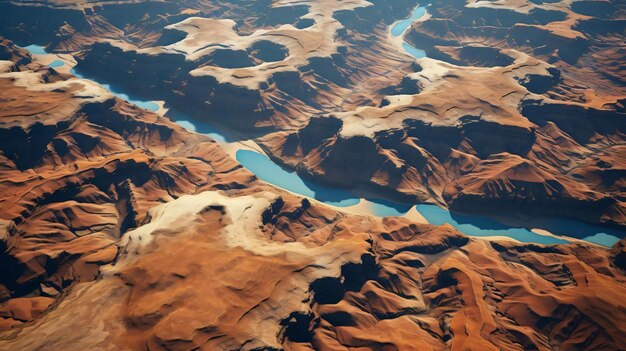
(484, 226)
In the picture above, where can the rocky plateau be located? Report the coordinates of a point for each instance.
(122, 230)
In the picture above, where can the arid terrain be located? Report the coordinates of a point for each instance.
(121, 229)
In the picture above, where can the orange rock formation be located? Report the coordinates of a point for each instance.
(119, 229)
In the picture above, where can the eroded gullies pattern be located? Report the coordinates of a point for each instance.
(482, 123)
(80, 168)
(234, 266)
(255, 72)
(288, 288)
(269, 171)
(433, 80)
(148, 105)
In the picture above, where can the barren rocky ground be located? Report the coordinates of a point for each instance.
(121, 229)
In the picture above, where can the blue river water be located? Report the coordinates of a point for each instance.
(267, 170)
(483, 226)
(270, 172)
(36, 49)
(145, 104)
(56, 64)
(117, 91)
(401, 26)
(415, 52)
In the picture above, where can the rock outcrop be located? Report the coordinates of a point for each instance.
(119, 229)
(79, 168)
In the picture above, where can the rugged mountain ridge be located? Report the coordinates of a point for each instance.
(79, 168)
(405, 129)
(485, 96)
(121, 230)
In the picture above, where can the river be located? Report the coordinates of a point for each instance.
(267, 170)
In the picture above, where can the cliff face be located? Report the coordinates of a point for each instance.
(79, 168)
(501, 84)
(119, 229)
(271, 68)
(261, 271)
(542, 81)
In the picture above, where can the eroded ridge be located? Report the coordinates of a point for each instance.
(78, 169)
(492, 118)
(216, 272)
(119, 229)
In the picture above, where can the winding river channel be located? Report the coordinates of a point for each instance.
(542, 230)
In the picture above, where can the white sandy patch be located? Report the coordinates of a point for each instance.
(205, 35)
(88, 91)
(242, 226)
(6, 65)
(414, 216)
(562, 237)
(495, 238)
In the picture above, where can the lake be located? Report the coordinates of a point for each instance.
(401, 26)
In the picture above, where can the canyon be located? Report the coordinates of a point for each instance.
(304, 175)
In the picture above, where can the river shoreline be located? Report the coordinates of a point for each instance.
(252, 157)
